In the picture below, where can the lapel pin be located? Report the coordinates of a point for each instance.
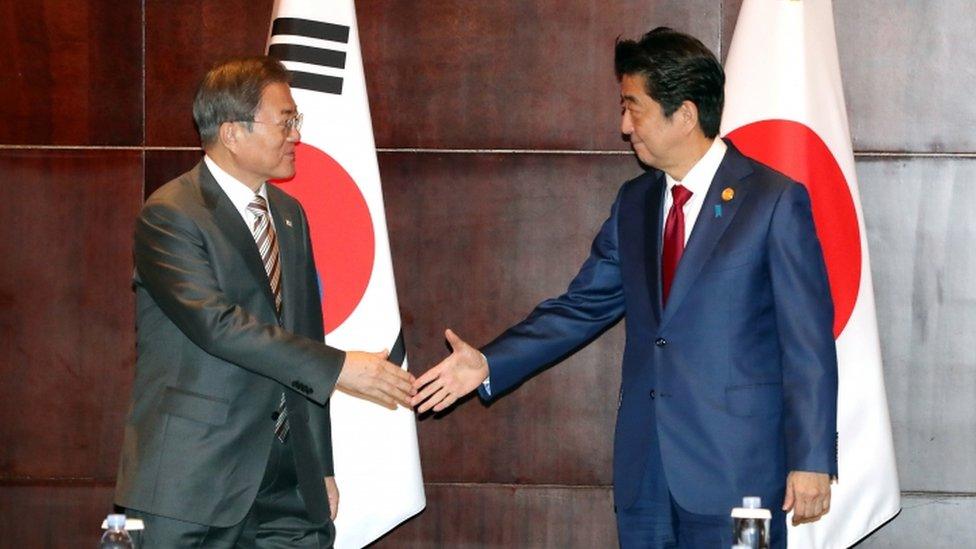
(288, 222)
(728, 194)
(718, 210)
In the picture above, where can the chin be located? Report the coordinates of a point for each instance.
(286, 172)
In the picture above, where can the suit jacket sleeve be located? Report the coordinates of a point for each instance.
(559, 326)
(804, 318)
(174, 265)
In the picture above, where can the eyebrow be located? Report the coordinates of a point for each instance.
(629, 99)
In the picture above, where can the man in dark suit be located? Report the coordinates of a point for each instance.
(227, 442)
(729, 381)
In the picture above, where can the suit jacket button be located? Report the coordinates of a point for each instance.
(653, 394)
(274, 416)
(660, 342)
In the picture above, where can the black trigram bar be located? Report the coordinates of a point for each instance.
(322, 57)
(311, 29)
(399, 351)
(316, 82)
(308, 54)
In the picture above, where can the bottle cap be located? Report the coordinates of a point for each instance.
(752, 502)
(116, 521)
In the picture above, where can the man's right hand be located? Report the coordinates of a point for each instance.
(372, 377)
(455, 376)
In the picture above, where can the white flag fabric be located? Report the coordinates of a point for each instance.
(784, 106)
(337, 180)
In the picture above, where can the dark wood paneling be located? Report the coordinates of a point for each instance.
(184, 38)
(536, 74)
(162, 166)
(477, 241)
(54, 516)
(71, 72)
(66, 320)
(477, 516)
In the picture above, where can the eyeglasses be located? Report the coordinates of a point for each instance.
(293, 123)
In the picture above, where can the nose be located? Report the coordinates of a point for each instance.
(294, 135)
(626, 124)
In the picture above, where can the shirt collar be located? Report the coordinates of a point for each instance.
(700, 176)
(239, 194)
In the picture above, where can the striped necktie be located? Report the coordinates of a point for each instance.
(267, 242)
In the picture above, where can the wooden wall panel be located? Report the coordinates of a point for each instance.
(466, 516)
(537, 74)
(162, 166)
(184, 38)
(53, 516)
(477, 241)
(66, 320)
(71, 72)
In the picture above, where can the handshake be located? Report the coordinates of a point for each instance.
(372, 377)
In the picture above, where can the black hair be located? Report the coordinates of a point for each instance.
(675, 68)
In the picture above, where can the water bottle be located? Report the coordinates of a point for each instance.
(115, 537)
(750, 524)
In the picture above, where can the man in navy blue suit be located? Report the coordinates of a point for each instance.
(729, 382)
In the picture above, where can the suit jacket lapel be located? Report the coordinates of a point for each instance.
(715, 216)
(288, 254)
(653, 228)
(230, 222)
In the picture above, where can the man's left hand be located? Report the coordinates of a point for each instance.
(332, 490)
(807, 495)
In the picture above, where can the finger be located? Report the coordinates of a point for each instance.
(452, 338)
(788, 500)
(393, 391)
(381, 399)
(379, 393)
(429, 375)
(404, 385)
(446, 403)
(384, 354)
(443, 398)
(434, 400)
(426, 393)
(399, 372)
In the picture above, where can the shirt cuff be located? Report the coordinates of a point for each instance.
(485, 388)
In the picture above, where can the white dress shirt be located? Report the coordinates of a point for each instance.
(697, 180)
(239, 194)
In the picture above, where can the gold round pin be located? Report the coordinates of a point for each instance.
(728, 194)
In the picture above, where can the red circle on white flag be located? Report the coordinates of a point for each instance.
(798, 152)
(341, 228)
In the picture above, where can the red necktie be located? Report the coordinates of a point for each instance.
(674, 238)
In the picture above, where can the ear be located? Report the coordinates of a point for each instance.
(688, 113)
(229, 134)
